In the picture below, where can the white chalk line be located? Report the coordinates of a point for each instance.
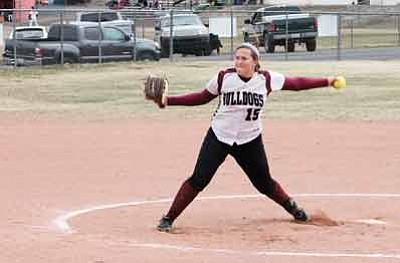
(264, 253)
(61, 223)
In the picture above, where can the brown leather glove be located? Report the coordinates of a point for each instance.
(156, 89)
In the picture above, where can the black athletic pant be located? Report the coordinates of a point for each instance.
(250, 156)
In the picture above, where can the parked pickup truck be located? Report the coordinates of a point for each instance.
(81, 43)
(190, 35)
(267, 27)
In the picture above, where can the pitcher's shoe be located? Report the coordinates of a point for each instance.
(165, 224)
(301, 215)
(297, 212)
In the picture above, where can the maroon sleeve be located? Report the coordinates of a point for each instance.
(191, 99)
(302, 83)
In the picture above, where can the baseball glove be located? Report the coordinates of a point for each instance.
(156, 89)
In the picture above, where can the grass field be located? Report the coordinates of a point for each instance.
(115, 90)
(351, 38)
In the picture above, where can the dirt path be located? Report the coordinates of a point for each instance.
(51, 168)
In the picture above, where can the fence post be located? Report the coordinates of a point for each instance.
(99, 50)
(62, 36)
(15, 41)
(231, 11)
(398, 30)
(351, 33)
(134, 41)
(286, 35)
(339, 38)
(171, 35)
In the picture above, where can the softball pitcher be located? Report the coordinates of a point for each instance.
(236, 129)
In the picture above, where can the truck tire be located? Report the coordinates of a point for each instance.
(311, 44)
(164, 52)
(207, 51)
(68, 59)
(290, 46)
(146, 56)
(269, 44)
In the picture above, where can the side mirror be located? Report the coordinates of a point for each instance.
(247, 21)
(127, 38)
(157, 27)
(206, 25)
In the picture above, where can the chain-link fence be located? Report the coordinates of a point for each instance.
(174, 33)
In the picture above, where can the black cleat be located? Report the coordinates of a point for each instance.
(297, 212)
(300, 215)
(165, 224)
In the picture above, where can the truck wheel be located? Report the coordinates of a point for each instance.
(290, 46)
(311, 44)
(164, 52)
(68, 60)
(270, 48)
(146, 56)
(199, 53)
(207, 51)
(269, 44)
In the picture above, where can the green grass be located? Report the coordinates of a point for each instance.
(115, 91)
(356, 38)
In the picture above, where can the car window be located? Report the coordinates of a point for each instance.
(113, 34)
(109, 17)
(29, 34)
(181, 21)
(92, 33)
(280, 10)
(69, 33)
(94, 17)
(257, 17)
(127, 28)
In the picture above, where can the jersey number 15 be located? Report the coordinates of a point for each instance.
(252, 114)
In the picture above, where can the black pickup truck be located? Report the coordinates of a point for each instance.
(272, 26)
(81, 43)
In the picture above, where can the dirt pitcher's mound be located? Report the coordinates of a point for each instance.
(320, 218)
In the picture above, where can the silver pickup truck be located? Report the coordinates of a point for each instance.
(190, 35)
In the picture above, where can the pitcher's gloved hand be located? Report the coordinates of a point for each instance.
(156, 89)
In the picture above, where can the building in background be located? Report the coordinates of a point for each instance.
(21, 16)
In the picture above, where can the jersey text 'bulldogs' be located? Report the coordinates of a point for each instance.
(243, 98)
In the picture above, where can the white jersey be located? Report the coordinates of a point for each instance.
(238, 116)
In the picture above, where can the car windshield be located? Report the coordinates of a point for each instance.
(282, 10)
(94, 17)
(181, 21)
(125, 28)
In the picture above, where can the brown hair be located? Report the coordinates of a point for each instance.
(255, 54)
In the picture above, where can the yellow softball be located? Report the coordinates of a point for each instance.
(339, 82)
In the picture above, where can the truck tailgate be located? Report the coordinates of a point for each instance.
(295, 25)
(25, 50)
